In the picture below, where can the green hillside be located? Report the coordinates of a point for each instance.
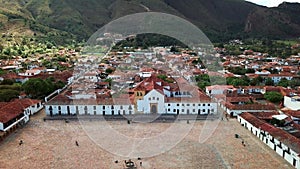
(219, 19)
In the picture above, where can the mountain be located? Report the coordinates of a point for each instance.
(219, 19)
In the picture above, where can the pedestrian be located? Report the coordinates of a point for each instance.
(141, 163)
(76, 142)
(20, 142)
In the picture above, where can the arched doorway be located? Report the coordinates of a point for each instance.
(154, 109)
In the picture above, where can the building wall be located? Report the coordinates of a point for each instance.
(190, 108)
(238, 112)
(35, 108)
(214, 92)
(276, 79)
(89, 109)
(281, 149)
(291, 103)
(153, 97)
(170, 108)
(24, 119)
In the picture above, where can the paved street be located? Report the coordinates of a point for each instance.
(51, 144)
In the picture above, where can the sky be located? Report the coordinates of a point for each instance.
(271, 3)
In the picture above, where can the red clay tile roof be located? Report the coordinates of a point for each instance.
(292, 113)
(10, 110)
(64, 100)
(281, 135)
(254, 106)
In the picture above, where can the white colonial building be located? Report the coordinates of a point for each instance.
(17, 112)
(153, 102)
(218, 89)
(282, 142)
(151, 96)
(292, 102)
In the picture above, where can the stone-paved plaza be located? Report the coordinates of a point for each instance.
(52, 144)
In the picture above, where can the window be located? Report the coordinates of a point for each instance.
(59, 110)
(103, 107)
(68, 110)
(208, 104)
(77, 110)
(193, 110)
(294, 162)
(157, 99)
(182, 110)
(121, 107)
(149, 99)
(169, 104)
(187, 104)
(85, 110)
(182, 104)
(177, 104)
(153, 98)
(51, 110)
(203, 110)
(212, 110)
(203, 105)
(94, 107)
(193, 104)
(174, 110)
(169, 109)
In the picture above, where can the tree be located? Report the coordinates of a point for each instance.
(269, 82)
(7, 95)
(294, 82)
(7, 82)
(273, 97)
(250, 70)
(237, 81)
(1, 47)
(237, 70)
(174, 49)
(254, 82)
(203, 84)
(109, 70)
(283, 82)
(204, 77)
(37, 88)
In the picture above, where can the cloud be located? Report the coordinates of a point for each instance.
(271, 3)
